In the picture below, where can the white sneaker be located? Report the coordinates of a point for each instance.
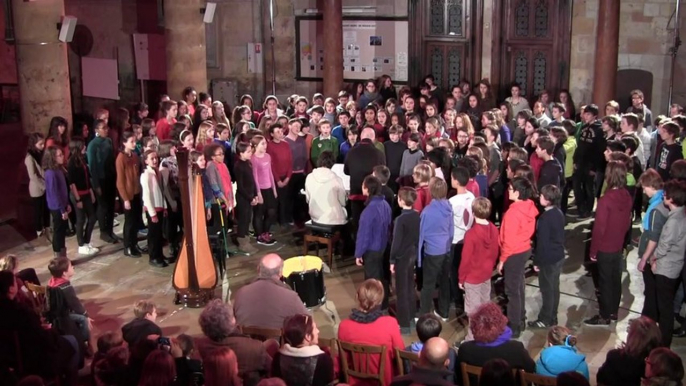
(93, 249)
(440, 317)
(84, 250)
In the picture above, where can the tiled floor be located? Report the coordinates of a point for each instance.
(110, 283)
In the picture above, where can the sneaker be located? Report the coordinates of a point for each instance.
(264, 239)
(597, 321)
(84, 250)
(442, 318)
(143, 232)
(92, 249)
(538, 324)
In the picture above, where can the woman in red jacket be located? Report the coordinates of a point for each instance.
(368, 325)
(516, 230)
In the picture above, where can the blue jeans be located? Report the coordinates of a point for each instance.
(82, 323)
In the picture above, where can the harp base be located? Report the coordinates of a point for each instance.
(194, 298)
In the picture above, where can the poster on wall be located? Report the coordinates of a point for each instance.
(371, 47)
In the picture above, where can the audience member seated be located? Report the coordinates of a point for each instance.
(572, 378)
(159, 369)
(325, 193)
(221, 368)
(43, 351)
(368, 325)
(267, 301)
(663, 368)
(430, 326)
(300, 361)
(187, 344)
(492, 339)
(561, 354)
(11, 263)
(112, 369)
(497, 372)
(433, 359)
(105, 343)
(143, 325)
(66, 311)
(139, 353)
(625, 366)
(219, 327)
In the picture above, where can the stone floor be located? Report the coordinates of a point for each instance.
(110, 283)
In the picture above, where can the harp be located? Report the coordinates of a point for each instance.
(195, 274)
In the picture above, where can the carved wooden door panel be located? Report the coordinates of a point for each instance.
(531, 46)
(448, 42)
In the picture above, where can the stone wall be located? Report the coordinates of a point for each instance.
(644, 42)
(8, 64)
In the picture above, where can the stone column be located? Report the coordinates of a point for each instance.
(333, 47)
(606, 52)
(185, 37)
(42, 65)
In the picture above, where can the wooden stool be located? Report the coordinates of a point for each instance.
(329, 235)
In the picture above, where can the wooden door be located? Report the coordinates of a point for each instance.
(448, 42)
(531, 46)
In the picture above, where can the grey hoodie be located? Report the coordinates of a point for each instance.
(672, 245)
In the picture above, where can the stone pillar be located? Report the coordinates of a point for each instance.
(42, 65)
(606, 52)
(333, 51)
(185, 37)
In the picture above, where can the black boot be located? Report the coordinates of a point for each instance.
(158, 263)
(132, 252)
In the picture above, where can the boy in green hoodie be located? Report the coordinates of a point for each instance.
(324, 142)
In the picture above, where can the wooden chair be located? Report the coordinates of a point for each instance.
(328, 235)
(331, 346)
(262, 333)
(535, 379)
(468, 370)
(38, 297)
(356, 361)
(403, 358)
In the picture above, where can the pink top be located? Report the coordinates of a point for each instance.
(262, 172)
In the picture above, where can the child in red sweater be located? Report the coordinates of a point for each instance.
(479, 254)
(421, 175)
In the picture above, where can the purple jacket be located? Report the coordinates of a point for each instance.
(375, 223)
(56, 190)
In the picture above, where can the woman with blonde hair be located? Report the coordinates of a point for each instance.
(368, 325)
(219, 114)
(206, 133)
(11, 263)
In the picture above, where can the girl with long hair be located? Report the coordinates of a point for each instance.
(202, 113)
(163, 127)
(474, 110)
(206, 133)
(58, 197)
(182, 109)
(33, 162)
(186, 139)
(565, 98)
(82, 195)
(264, 213)
(219, 114)
(221, 368)
(57, 135)
(128, 166)
(386, 88)
(485, 95)
(190, 96)
(242, 113)
(169, 176)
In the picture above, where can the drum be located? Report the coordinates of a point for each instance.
(304, 274)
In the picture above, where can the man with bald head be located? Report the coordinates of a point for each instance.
(359, 163)
(267, 301)
(431, 370)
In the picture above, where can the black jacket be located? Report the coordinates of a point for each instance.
(512, 351)
(360, 163)
(245, 182)
(394, 156)
(590, 148)
(405, 236)
(621, 369)
(139, 329)
(423, 376)
(550, 237)
(551, 174)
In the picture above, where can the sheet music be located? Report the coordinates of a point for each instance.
(338, 170)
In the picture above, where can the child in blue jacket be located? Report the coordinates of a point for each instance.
(561, 354)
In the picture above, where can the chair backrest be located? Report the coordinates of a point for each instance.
(468, 370)
(540, 380)
(356, 360)
(37, 294)
(404, 360)
(262, 333)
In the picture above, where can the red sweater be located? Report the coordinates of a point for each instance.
(612, 221)
(479, 254)
(536, 164)
(163, 129)
(383, 331)
(423, 198)
(282, 160)
(517, 227)
(473, 187)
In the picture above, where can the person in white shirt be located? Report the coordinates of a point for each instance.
(325, 193)
(155, 208)
(463, 219)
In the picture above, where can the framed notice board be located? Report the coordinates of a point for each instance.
(372, 46)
